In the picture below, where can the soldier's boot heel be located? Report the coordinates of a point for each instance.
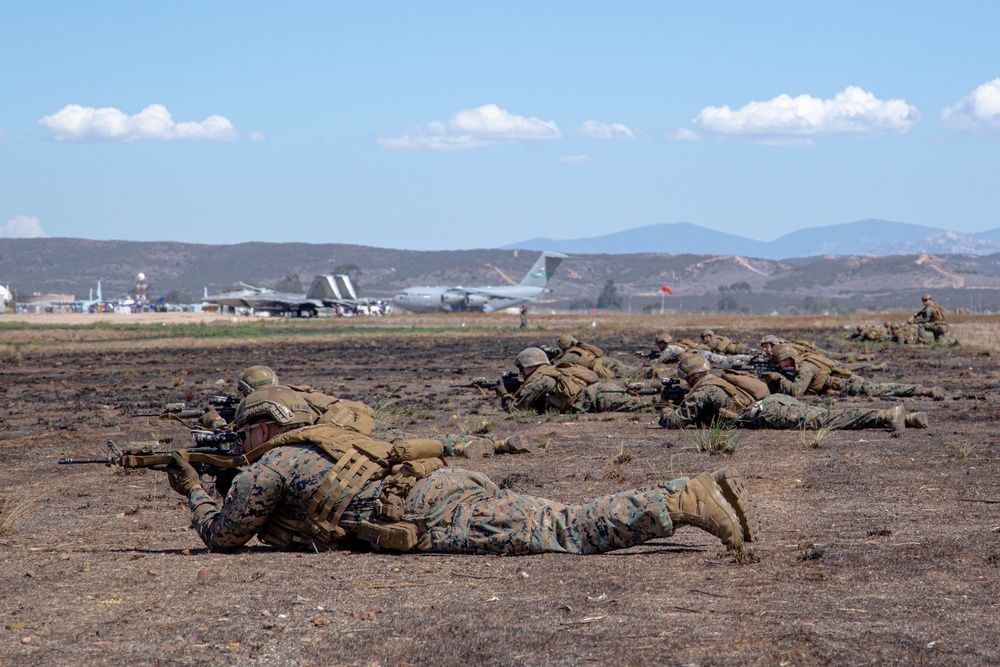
(737, 494)
(700, 503)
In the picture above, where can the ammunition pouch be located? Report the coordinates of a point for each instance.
(357, 461)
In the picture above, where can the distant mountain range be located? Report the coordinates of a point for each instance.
(862, 238)
(724, 274)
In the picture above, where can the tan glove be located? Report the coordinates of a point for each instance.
(773, 376)
(183, 477)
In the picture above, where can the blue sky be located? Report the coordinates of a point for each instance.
(447, 125)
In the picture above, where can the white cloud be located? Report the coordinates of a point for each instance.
(597, 130)
(851, 113)
(483, 126)
(979, 112)
(22, 227)
(577, 159)
(77, 123)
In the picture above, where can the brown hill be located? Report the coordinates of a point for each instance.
(699, 282)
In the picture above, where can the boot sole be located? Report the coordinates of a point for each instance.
(736, 493)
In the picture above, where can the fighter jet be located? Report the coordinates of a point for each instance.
(327, 291)
(486, 299)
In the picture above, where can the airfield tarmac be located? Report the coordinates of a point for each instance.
(875, 549)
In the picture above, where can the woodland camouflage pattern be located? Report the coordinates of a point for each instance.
(597, 397)
(707, 403)
(455, 511)
(854, 385)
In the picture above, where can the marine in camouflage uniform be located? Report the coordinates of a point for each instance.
(870, 332)
(321, 486)
(722, 345)
(713, 399)
(931, 319)
(574, 351)
(904, 334)
(816, 374)
(667, 351)
(565, 387)
(360, 417)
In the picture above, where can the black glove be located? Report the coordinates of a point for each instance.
(183, 477)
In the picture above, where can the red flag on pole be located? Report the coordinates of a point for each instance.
(666, 288)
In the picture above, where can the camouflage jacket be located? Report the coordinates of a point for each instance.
(932, 313)
(702, 405)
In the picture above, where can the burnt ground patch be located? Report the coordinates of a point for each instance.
(875, 550)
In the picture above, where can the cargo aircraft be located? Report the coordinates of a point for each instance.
(486, 299)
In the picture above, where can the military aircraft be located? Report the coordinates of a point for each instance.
(486, 299)
(326, 291)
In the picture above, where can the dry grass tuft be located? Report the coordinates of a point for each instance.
(11, 511)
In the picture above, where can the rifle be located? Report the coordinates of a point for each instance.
(511, 382)
(672, 391)
(224, 405)
(550, 352)
(669, 391)
(652, 355)
(761, 366)
(206, 460)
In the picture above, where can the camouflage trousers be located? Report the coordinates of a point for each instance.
(858, 386)
(609, 397)
(780, 411)
(458, 511)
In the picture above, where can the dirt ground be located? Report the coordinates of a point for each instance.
(875, 549)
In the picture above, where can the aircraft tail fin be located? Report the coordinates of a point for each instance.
(346, 287)
(543, 269)
(324, 287)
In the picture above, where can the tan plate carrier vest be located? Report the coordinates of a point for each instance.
(357, 460)
(354, 415)
(830, 377)
(742, 390)
(593, 358)
(571, 380)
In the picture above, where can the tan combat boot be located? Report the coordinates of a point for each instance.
(475, 449)
(700, 503)
(916, 420)
(515, 444)
(937, 393)
(736, 493)
(894, 418)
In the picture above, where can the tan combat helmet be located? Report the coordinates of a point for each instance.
(784, 351)
(707, 332)
(566, 341)
(925, 297)
(531, 356)
(276, 403)
(770, 339)
(692, 364)
(664, 337)
(254, 378)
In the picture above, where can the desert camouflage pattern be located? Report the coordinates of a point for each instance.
(706, 403)
(458, 511)
(455, 511)
(870, 332)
